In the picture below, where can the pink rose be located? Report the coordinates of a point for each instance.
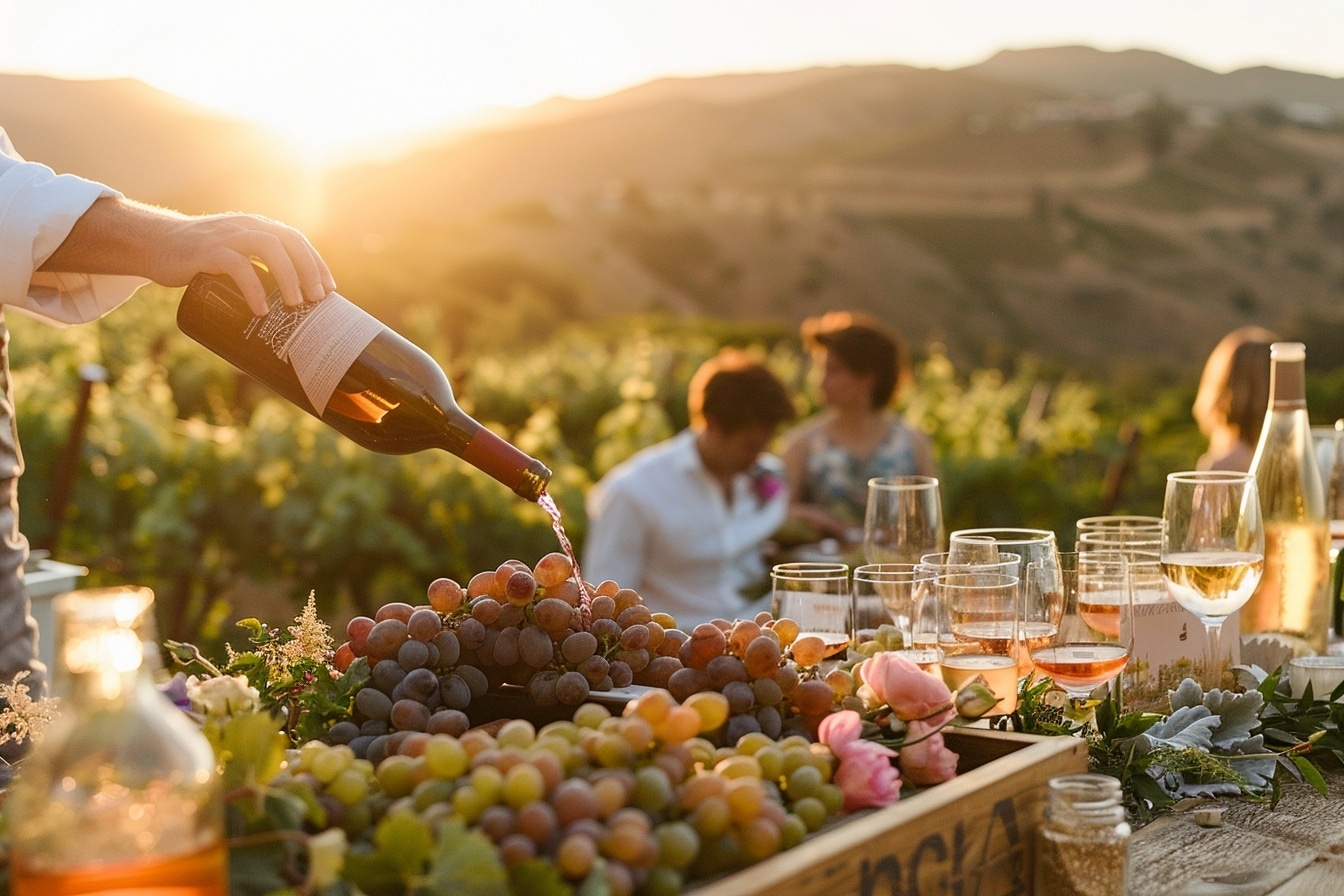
(925, 758)
(866, 775)
(911, 692)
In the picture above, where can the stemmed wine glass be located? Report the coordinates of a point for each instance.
(1095, 635)
(1213, 548)
(903, 520)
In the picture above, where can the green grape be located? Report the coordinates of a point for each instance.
(711, 817)
(811, 811)
(804, 781)
(330, 762)
(396, 775)
(590, 715)
(662, 881)
(792, 832)
(516, 733)
(469, 803)
(351, 786)
(446, 758)
(653, 789)
(678, 843)
(523, 784)
(771, 760)
(751, 744)
(832, 797)
(432, 791)
(488, 781)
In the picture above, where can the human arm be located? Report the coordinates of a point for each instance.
(817, 519)
(120, 236)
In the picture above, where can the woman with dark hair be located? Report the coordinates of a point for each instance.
(856, 436)
(1232, 399)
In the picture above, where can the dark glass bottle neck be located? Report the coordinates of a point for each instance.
(1287, 385)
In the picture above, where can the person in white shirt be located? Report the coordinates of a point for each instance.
(683, 522)
(71, 250)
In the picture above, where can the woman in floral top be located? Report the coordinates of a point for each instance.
(856, 436)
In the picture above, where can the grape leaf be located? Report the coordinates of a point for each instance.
(536, 877)
(252, 748)
(464, 862)
(405, 841)
(326, 857)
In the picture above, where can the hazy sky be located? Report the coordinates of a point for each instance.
(329, 72)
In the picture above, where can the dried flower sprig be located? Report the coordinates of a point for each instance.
(21, 717)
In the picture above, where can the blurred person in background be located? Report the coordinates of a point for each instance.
(683, 522)
(1232, 398)
(857, 435)
(71, 250)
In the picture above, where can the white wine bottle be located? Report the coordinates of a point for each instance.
(342, 365)
(1291, 606)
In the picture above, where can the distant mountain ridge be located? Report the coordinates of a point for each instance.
(1083, 70)
(996, 208)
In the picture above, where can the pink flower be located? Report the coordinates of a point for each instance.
(925, 758)
(866, 774)
(766, 483)
(911, 692)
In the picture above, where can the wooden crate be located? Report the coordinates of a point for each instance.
(972, 835)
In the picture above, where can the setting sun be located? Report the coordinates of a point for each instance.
(340, 78)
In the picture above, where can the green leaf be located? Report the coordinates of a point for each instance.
(1311, 773)
(464, 862)
(258, 869)
(537, 877)
(252, 748)
(406, 842)
(373, 873)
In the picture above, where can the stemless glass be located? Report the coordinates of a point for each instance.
(1118, 527)
(1213, 549)
(1095, 635)
(1038, 608)
(903, 519)
(816, 596)
(982, 614)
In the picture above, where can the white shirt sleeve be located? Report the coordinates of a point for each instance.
(38, 207)
(615, 544)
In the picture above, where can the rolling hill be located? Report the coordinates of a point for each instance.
(1098, 209)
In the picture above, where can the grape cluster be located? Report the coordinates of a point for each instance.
(516, 624)
(641, 799)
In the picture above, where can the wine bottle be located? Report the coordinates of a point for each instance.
(345, 367)
(1291, 606)
(122, 795)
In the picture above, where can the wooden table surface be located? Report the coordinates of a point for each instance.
(1296, 849)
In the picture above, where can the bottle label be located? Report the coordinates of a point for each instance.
(319, 341)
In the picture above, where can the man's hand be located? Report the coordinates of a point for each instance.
(118, 236)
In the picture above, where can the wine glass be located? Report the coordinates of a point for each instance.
(1213, 549)
(981, 612)
(883, 594)
(1095, 636)
(816, 596)
(903, 520)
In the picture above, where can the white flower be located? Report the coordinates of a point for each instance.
(222, 696)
